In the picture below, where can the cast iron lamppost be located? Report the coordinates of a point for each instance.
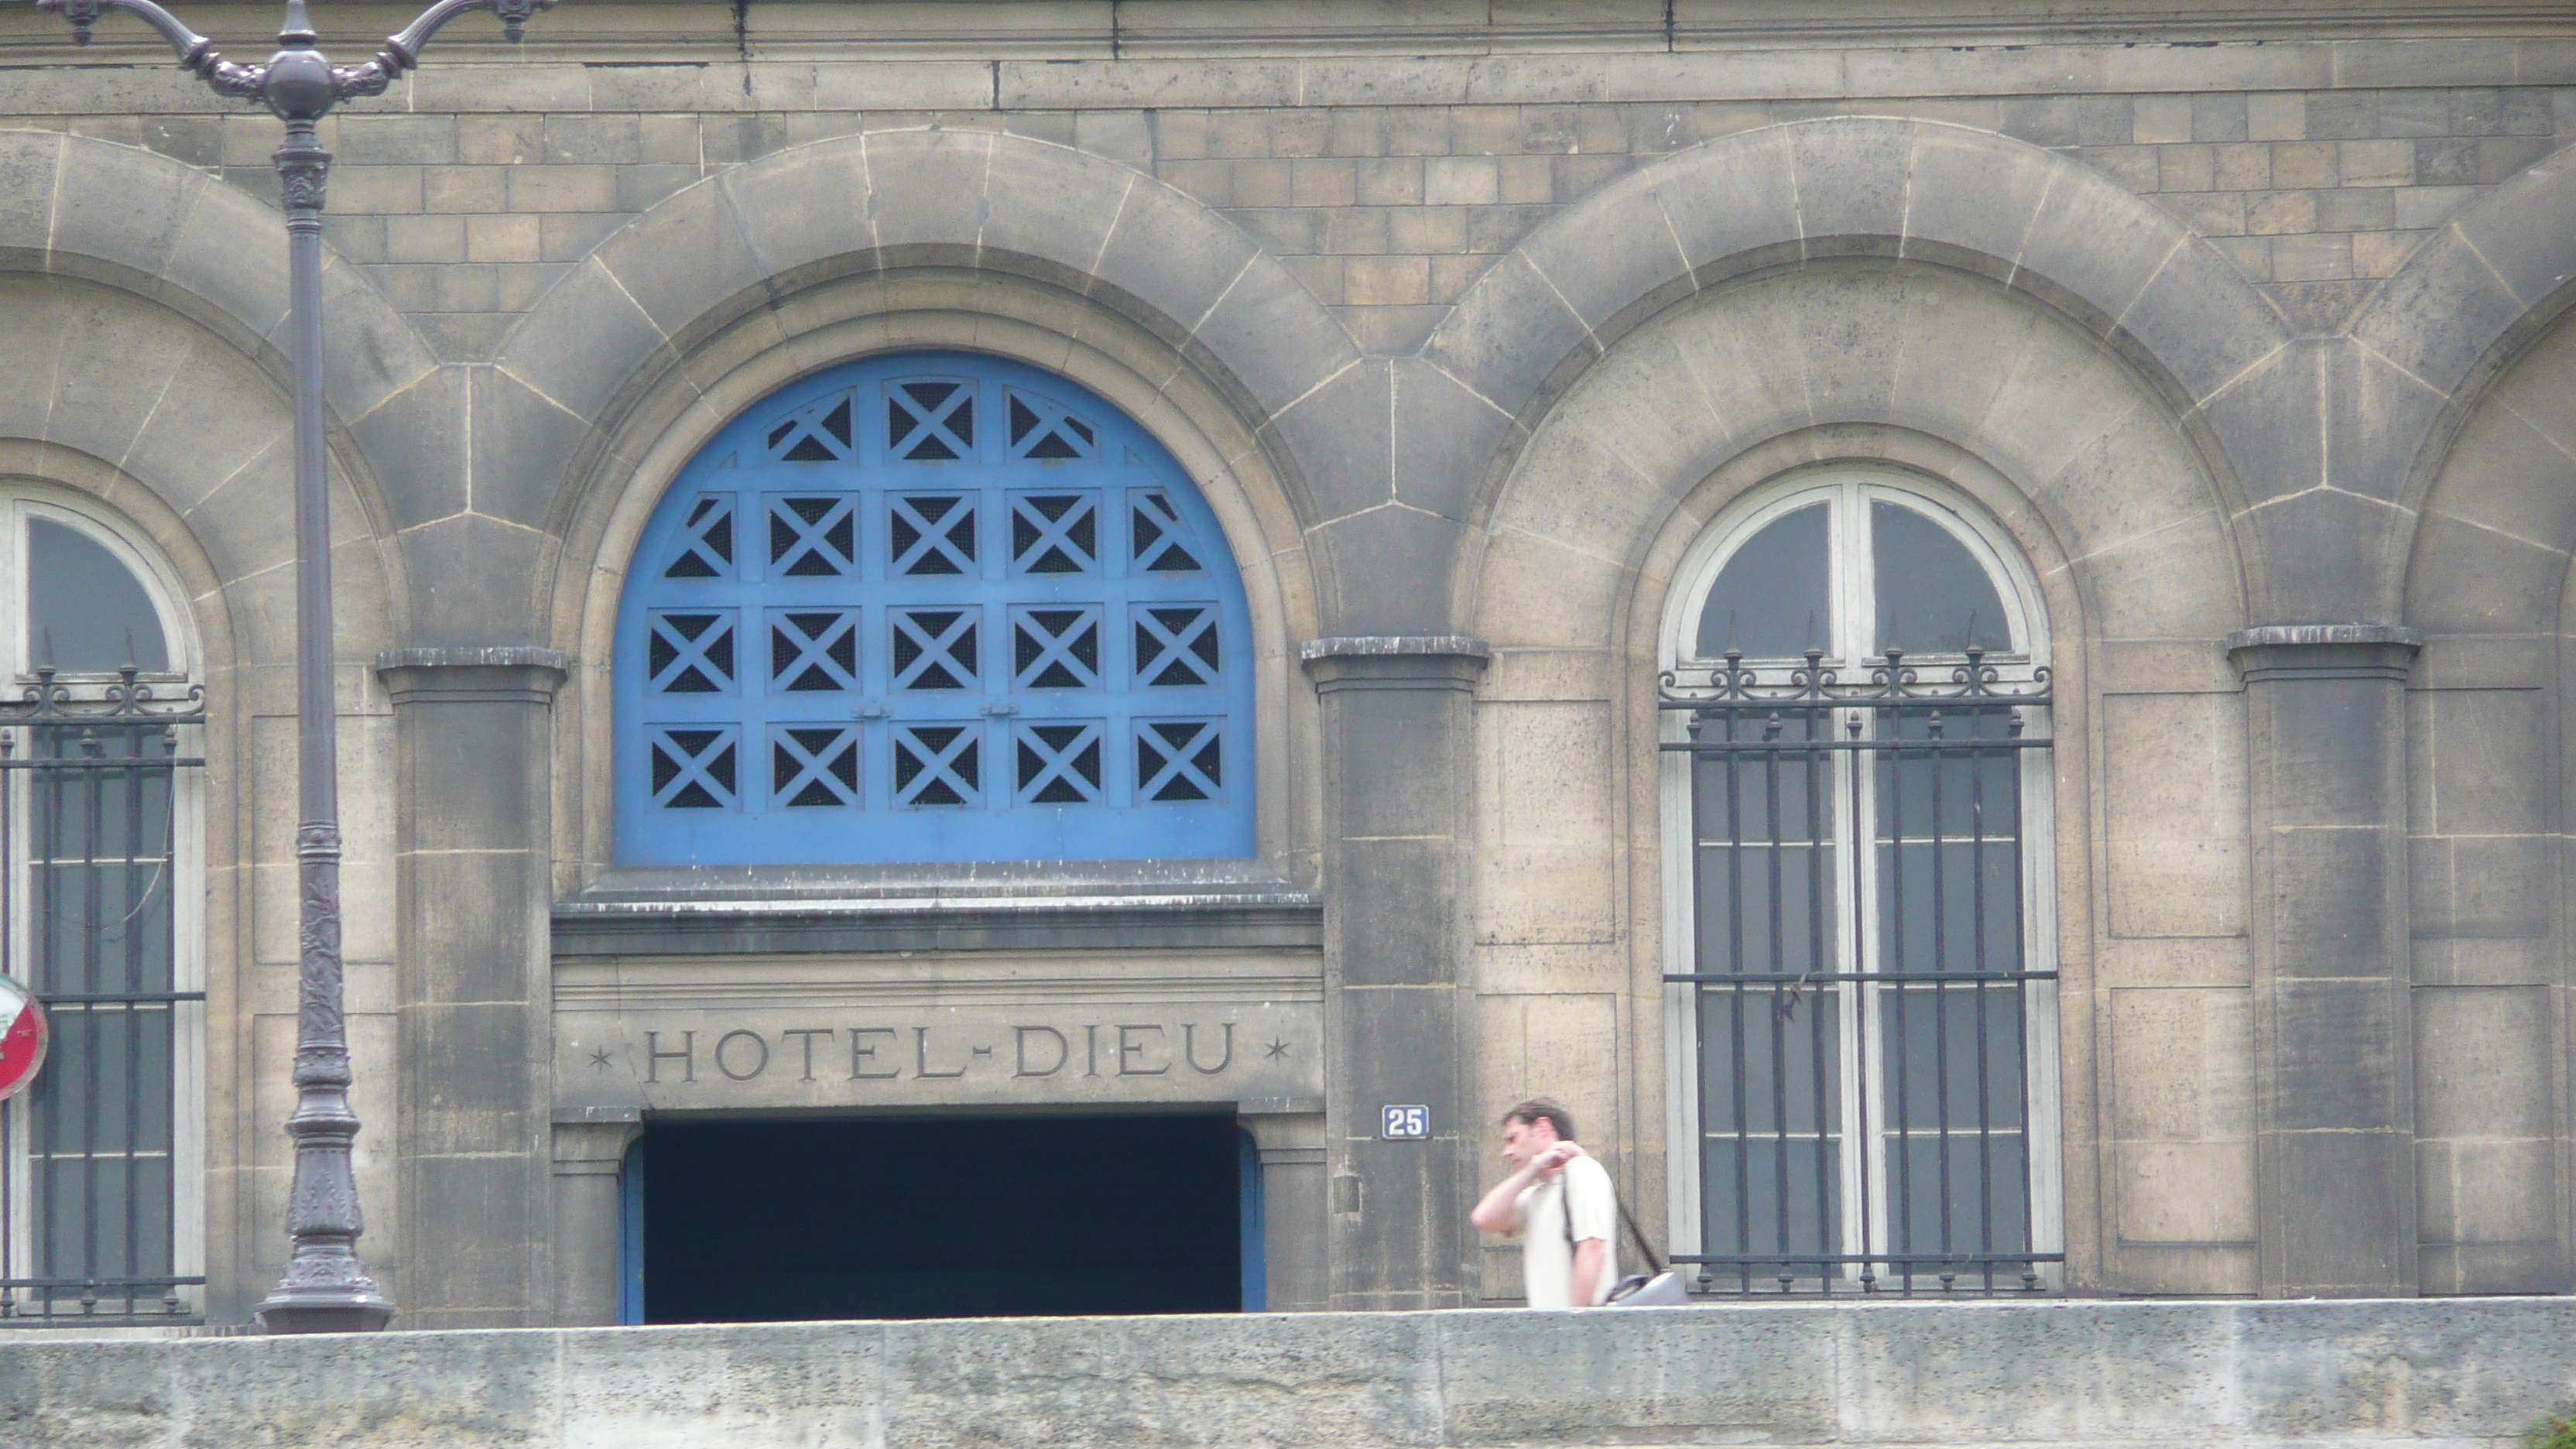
(324, 1290)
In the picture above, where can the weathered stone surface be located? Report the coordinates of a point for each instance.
(2427, 1375)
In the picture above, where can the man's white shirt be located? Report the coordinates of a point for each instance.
(1547, 1259)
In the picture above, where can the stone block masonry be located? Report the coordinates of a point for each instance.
(2424, 1374)
(1388, 213)
(1384, 193)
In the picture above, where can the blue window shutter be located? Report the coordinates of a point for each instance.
(926, 608)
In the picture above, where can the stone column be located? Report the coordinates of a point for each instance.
(2334, 1107)
(1399, 731)
(473, 853)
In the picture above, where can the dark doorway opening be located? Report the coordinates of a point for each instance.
(939, 1217)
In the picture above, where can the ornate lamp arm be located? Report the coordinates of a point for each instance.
(196, 52)
(402, 49)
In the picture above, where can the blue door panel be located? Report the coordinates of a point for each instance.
(932, 607)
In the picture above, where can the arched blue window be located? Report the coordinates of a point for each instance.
(932, 607)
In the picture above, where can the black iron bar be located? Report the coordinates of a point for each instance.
(1884, 1259)
(1818, 944)
(1760, 978)
(1892, 933)
(131, 916)
(1735, 1001)
(1779, 1029)
(108, 766)
(1935, 767)
(75, 998)
(1687, 747)
(1977, 898)
(1862, 948)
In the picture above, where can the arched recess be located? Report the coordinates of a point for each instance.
(2106, 261)
(143, 305)
(2487, 584)
(931, 308)
(2093, 473)
(678, 298)
(144, 226)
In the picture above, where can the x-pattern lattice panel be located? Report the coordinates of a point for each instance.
(931, 535)
(814, 765)
(813, 651)
(1055, 533)
(704, 548)
(814, 536)
(1180, 759)
(1058, 764)
(822, 432)
(694, 767)
(936, 648)
(932, 608)
(1055, 646)
(692, 651)
(931, 420)
(1177, 645)
(938, 764)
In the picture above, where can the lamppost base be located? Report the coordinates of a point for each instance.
(336, 1312)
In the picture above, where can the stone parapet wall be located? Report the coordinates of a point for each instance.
(2424, 1374)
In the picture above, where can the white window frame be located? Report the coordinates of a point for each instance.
(21, 503)
(1848, 491)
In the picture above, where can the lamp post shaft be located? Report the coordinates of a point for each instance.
(325, 1289)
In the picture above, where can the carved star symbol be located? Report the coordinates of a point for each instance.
(1277, 1049)
(599, 1059)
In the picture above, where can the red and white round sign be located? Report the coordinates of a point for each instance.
(22, 1038)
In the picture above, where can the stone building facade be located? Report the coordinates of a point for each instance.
(2221, 346)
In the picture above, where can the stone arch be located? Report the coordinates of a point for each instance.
(2465, 306)
(201, 267)
(2112, 264)
(157, 296)
(2034, 418)
(938, 308)
(633, 328)
(2488, 584)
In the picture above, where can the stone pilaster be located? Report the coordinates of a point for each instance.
(1399, 790)
(1289, 1134)
(589, 1160)
(2333, 1040)
(473, 843)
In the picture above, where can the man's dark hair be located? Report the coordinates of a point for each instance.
(1543, 1109)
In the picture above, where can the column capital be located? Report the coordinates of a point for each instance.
(462, 674)
(2270, 652)
(1395, 661)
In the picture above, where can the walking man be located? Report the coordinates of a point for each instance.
(1559, 1202)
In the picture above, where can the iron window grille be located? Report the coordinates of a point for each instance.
(1864, 1017)
(90, 1153)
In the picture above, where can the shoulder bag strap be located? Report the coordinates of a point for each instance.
(1565, 1200)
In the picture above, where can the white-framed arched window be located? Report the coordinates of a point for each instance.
(102, 880)
(1859, 893)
